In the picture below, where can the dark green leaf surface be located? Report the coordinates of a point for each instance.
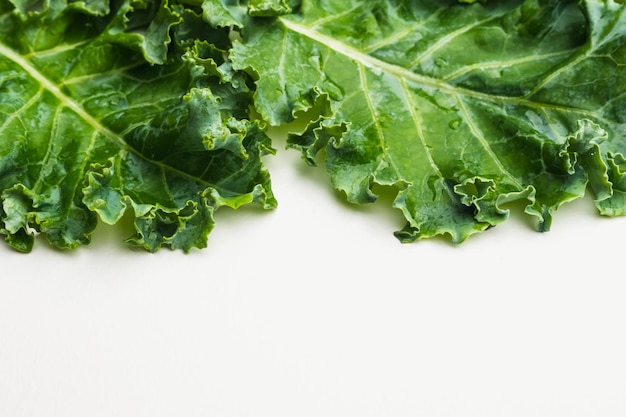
(143, 108)
(121, 107)
(462, 107)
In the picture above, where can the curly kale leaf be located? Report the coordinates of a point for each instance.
(462, 108)
(126, 107)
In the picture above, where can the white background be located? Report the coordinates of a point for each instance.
(315, 309)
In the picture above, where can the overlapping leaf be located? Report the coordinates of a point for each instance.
(110, 107)
(462, 107)
(142, 107)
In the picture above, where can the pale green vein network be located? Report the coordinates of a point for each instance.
(551, 104)
(402, 34)
(65, 100)
(33, 100)
(358, 56)
(334, 17)
(281, 64)
(53, 132)
(379, 66)
(56, 50)
(372, 110)
(92, 143)
(506, 63)
(88, 77)
(557, 72)
(481, 138)
(446, 39)
(92, 121)
(420, 134)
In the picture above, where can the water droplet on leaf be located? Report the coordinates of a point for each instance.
(455, 123)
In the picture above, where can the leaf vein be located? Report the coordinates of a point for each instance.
(70, 103)
(401, 34)
(378, 65)
(483, 141)
(505, 63)
(33, 100)
(447, 38)
(420, 134)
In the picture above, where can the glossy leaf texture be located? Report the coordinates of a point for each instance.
(462, 107)
(122, 107)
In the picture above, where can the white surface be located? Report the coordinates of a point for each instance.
(316, 310)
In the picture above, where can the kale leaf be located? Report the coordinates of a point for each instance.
(158, 109)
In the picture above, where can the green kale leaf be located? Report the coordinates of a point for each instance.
(462, 108)
(108, 108)
(157, 109)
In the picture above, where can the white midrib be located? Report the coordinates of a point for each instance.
(378, 65)
(64, 99)
(361, 57)
(92, 121)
